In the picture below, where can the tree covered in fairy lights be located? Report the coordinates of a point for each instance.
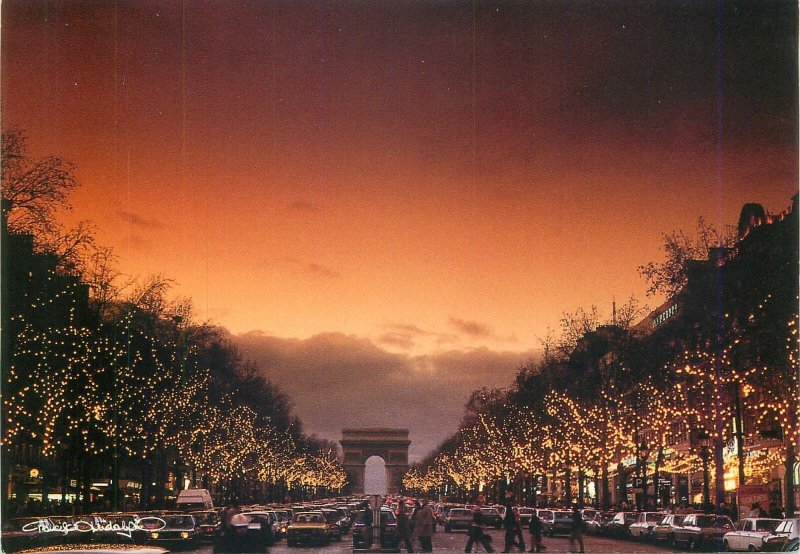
(101, 374)
(728, 369)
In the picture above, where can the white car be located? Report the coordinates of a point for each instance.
(642, 528)
(788, 530)
(749, 534)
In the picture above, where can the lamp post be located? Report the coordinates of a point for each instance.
(704, 442)
(644, 453)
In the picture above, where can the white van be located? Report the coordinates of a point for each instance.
(194, 499)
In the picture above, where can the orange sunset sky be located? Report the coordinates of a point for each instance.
(418, 181)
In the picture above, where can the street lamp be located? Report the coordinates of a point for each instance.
(704, 442)
(642, 453)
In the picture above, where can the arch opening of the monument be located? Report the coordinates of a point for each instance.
(390, 445)
(375, 475)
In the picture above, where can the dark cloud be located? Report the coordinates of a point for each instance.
(138, 220)
(320, 271)
(399, 340)
(407, 328)
(312, 269)
(404, 335)
(337, 381)
(472, 329)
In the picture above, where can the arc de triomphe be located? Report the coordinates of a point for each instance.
(390, 444)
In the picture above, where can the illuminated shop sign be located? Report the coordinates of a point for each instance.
(665, 315)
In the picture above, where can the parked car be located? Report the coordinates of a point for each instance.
(284, 518)
(546, 516)
(642, 528)
(665, 529)
(76, 532)
(388, 536)
(261, 528)
(22, 533)
(178, 531)
(208, 523)
(333, 517)
(619, 526)
(525, 516)
(308, 528)
(107, 528)
(457, 518)
(597, 525)
(702, 530)
(345, 521)
(493, 517)
(441, 514)
(561, 523)
(749, 534)
(785, 535)
(193, 500)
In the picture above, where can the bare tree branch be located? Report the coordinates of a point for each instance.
(34, 189)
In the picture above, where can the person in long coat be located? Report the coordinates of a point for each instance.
(423, 527)
(404, 526)
(513, 527)
(536, 529)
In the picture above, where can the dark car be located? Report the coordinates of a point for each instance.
(665, 529)
(492, 517)
(333, 517)
(21, 533)
(261, 528)
(284, 518)
(702, 530)
(208, 524)
(457, 518)
(388, 534)
(112, 528)
(620, 524)
(77, 529)
(345, 521)
(178, 531)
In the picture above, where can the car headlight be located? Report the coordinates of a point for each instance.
(153, 535)
(184, 535)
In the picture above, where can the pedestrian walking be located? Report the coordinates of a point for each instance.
(576, 534)
(513, 528)
(404, 526)
(366, 517)
(477, 530)
(536, 528)
(423, 527)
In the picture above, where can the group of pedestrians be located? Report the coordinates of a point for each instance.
(513, 530)
(417, 528)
